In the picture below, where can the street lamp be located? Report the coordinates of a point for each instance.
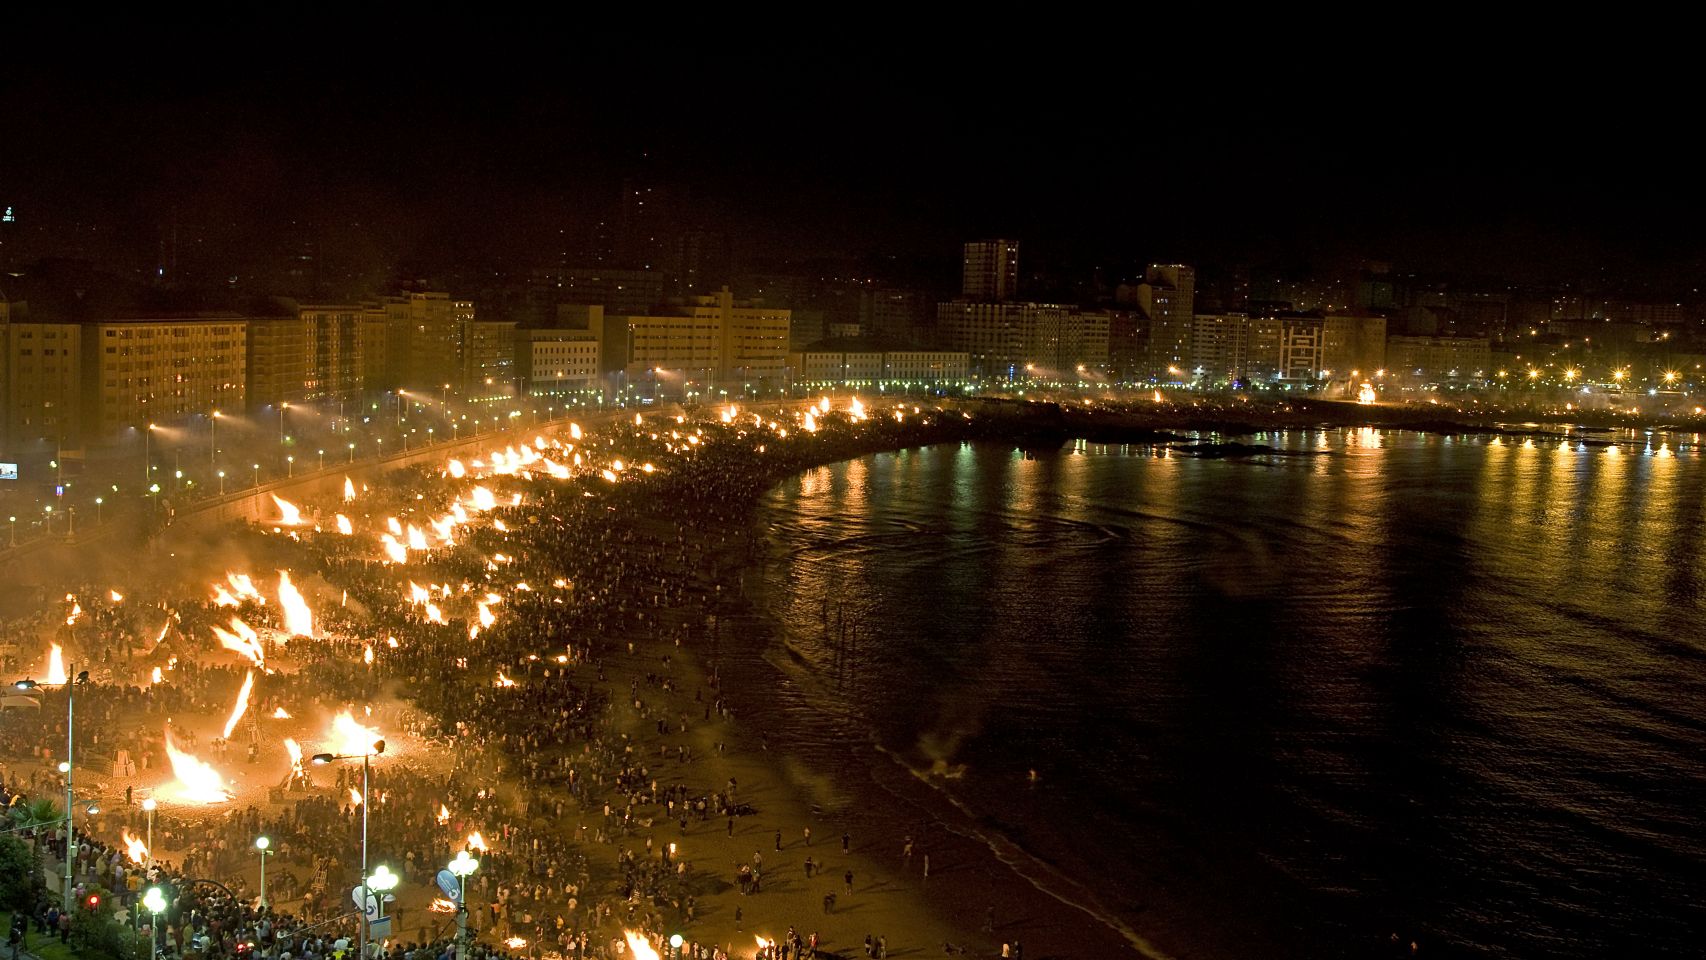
(148, 806)
(212, 439)
(155, 901)
(281, 408)
(352, 453)
(322, 459)
(257, 474)
(98, 502)
(147, 456)
(320, 760)
(14, 530)
(462, 867)
(69, 767)
(261, 844)
(222, 483)
(290, 466)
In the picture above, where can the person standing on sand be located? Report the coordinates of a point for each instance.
(849, 878)
(778, 839)
(808, 836)
(906, 851)
(845, 841)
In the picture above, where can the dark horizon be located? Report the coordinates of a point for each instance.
(510, 167)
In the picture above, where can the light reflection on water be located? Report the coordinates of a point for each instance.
(1443, 686)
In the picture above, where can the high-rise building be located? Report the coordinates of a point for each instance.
(1167, 297)
(1450, 361)
(151, 370)
(423, 334)
(41, 399)
(1353, 343)
(904, 316)
(556, 362)
(486, 356)
(1016, 340)
(990, 272)
(1218, 342)
(712, 338)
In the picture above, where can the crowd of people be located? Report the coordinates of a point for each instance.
(560, 744)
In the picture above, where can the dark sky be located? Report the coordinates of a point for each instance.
(856, 150)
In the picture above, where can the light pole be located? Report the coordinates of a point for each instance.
(69, 767)
(222, 483)
(257, 474)
(148, 806)
(281, 408)
(352, 453)
(261, 844)
(147, 454)
(321, 759)
(155, 901)
(213, 439)
(14, 530)
(322, 459)
(290, 466)
(463, 867)
(98, 502)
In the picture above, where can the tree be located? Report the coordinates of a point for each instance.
(97, 933)
(20, 875)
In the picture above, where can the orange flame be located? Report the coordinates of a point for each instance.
(351, 737)
(242, 706)
(195, 782)
(134, 848)
(298, 619)
(289, 514)
(55, 665)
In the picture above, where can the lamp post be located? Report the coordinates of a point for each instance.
(98, 502)
(290, 466)
(148, 806)
(147, 453)
(257, 474)
(69, 768)
(213, 439)
(463, 867)
(14, 521)
(352, 453)
(321, 759)
(322, 459)
(155, 901)
(281, 408)
(222, 483)
(262, 844)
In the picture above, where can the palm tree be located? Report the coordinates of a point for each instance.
(29, 814)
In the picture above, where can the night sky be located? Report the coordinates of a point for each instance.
(508, 157)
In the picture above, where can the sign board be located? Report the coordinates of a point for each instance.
(8, 471)
(446, 882)
(372, 906)
(379, 929)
